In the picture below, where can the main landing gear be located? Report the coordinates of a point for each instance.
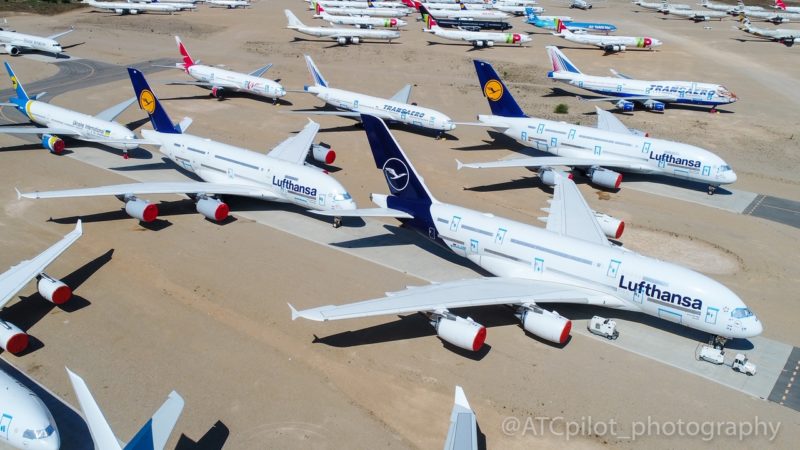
(711, 189)
(718, 342)
(337, 222)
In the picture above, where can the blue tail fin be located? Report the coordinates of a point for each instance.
(560, 61)
(22, 97)
(150, 104)
(319, 80)
(403, 180)
(500, 99)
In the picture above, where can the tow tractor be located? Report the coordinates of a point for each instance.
(603, 327)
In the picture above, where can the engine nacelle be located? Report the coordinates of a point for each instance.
(614, 48)
(52, 290)
(606, 178)
(213, 208)
(53, 143)
(217, 92)
(133, 11)
(478, 44)
(341, 40)
(141, 209)
(461, 332)
(12, 338)
(119, 11)
(323, 153)
(545, 324)
(548, 175)
(490, 43)
(355, 40)
(10, 49)
(654, 105)
(625, 105)
(611, 226)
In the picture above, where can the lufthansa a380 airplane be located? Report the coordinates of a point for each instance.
(569, 261)
(25, 421)
(621, 89)
(341, 35)
(282, 175)
(396, 109)
(55, 121)
(13, 43)
(593, 150)
(221, 80)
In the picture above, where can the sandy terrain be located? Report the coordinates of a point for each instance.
(201, 308)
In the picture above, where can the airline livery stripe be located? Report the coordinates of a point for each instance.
(476, 230)
(553, 252)
(195, 150)
(211, 168)
(236, 162)
(513, 258)
(444, 221)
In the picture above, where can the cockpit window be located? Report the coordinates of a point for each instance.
(39, 434)
(725, 168)
(340, 197)
(741, 313)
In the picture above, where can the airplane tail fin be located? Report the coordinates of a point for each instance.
(411, 4)
(561, 28)
(560, 61)
(531, 16)
(22, 96)
(319, 80)
(403, 180)
(779, 3)
(155, 433)
(425, 13)
(500, 99)
(318, 8)
(294, 22)
(101, 432)
(150, 104)
(187, 60)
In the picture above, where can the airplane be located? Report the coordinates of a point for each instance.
(450, 6)
(282, 175)
(12, 338)
(465, 24)
(580, 4)
(569, 261)
(779, 4)
(478, 39)
(784, 36)
(220, 81)
(230, 4)
(694, 14)
(341, 35)
(359, 21)
(550, 24)
(463, 431)
(395, 109)
(621, 89)
(593, 150)
(517, 10)
(333, 4)
(609, 44)
(12, 42)
(26, 422)
(774, 17)
(170, 1)
(659, 6)
(466, 13)
(179, 5)
(153, 435)
(56, 121)
(122, 8)
(369, 11)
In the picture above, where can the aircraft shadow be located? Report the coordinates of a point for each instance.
(67, 47)
(214, 439)
(136, 124)
(677, 182)
(22, 147)
(499, 142)
(521, 183)
(249, 204)
(558, 92)
(336, 44)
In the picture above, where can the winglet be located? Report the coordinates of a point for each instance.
(19, 194)
(459, 165)
(316, 75)
(295, 315)
(78, 226)
(101, 432)
(22, 96)
(155, 432)
(461, 398)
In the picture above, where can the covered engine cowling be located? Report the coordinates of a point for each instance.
(461, 332)
(141, 209)
(217, 92)
(12, 338)
(133, 11)
(53, 143)
(490, 43)
(392, 22)
(341, 40)
(120, 11)
(10, 49)
(548, 175)
(625, 105)
(355, 40)
(323, 153)
(213, 208)
(654, 105)
(52, 290)
(606, 178)
(611, 226)
(545, 324)
(614, 48)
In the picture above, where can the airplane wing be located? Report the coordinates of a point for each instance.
(619, 75)
(38, 130)
(114, 111)
(608, 122)
(18, 276)
(365, 212)
(463, 432)
(633, 97)
(541, 161)
(101, 432)
(460, 294)
(328, 113)
(260, 71)
(295, 149)
(169, 187)
(402, 95)
(571, 216)
(58, 35)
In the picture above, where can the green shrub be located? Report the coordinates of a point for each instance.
(561, 108)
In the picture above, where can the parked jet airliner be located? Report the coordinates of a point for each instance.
(609, 44)
(569, 261)
(593, 150)
(476, 38)
(13, 43)
(779, 4)
(396, 109)
(282, 175)
(341, 35)
(622, 89)
(786, 37)
(369, 11)
(26, 422)
(359, 21)
(549, 23)
(131, 8)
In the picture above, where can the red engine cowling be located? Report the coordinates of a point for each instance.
(611, 226)
(547, 325)
(213, 209)
(141, 209)
(54, 291)
(323, 153)
(606, 178)
(12, 338)
(217, 92)
(461, 332)
(53, 143)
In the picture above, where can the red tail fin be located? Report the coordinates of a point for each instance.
(560, 26)
(187, 60)
(319, 8)
(780, 4)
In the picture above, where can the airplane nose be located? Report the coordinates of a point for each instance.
(349, 205)
(756, 327)
(730, 177)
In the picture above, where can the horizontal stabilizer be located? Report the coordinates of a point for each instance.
(261, 70)
(114, 111)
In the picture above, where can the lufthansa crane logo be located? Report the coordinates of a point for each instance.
(493, 90)
(396, 173)
(147, 101)
(14, 82)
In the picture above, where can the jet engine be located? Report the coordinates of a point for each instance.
(614, 48)
(461, 332)
(611, 226)
(355, 40)
(217, 92)
(53, 143)
(141, 209)
(12, 338)
(341, 40)
(545, 324)
(10, 49)
(134, 11)
(654, 105)
(548, 176)
(490, 43)
(212, 208)
(625, 105)
(120, 11)
(52, 290)
(322, 153)
(478, 44)
(606, 178)
(789, 41)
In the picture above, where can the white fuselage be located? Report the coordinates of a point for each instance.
(777, 33)
(371, 22)
(25, 421)
(605, 41)
(484, 14)
(133, 8)
(29, 41)
(454, 6)
(359, 4)
(215, 162)
(235, 81)
(369, 12)
(348, 33)
(89, 128)
(483, 37)
(697, 14)
(644, 154)
(621, 278)
(773, 16)
(659, 6)
(388, 110)
(687, 92)
(230, 4)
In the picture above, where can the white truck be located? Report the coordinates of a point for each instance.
(603, 327)
(742, 365)
(712, 354)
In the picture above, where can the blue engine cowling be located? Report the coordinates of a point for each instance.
(625, 105)
(654, 105)
(53, 143)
